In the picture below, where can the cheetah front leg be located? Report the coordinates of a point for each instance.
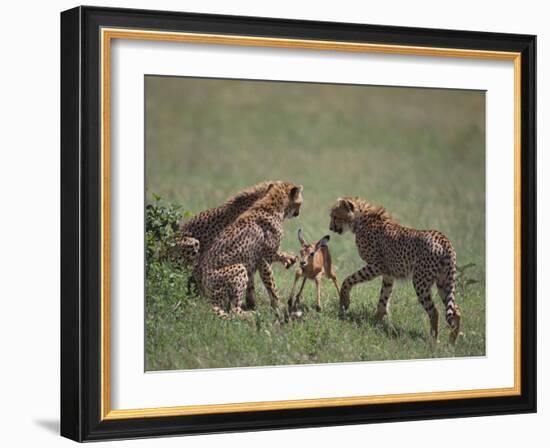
(423, 283)
(362, 275)
(266, 274)
(383, 301)
(286, 259)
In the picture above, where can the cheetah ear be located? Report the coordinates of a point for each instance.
(296, 191)
(347, 204)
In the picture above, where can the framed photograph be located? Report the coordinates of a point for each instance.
(272, 223)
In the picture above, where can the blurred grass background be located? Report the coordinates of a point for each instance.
(418, 152)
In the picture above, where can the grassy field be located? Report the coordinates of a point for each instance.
(417, 152)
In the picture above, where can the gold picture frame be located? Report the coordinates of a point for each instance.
(106, 30)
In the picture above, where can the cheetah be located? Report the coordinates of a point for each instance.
(394, 252)
(197, 234)
(227, 267)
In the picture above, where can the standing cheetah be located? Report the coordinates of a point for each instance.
(395, 252)
(227, 267)
(197, 234)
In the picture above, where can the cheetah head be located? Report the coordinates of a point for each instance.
(293, 199)
(342, 215)
(188, 249)
(283, 197)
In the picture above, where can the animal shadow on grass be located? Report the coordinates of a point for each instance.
(361, 315)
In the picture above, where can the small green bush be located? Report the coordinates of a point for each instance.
(161, 225)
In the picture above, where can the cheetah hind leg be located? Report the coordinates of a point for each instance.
(452, 312)
(233, 285)
(455, 326)
(422, 285)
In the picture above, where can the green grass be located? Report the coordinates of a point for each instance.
(418, 152)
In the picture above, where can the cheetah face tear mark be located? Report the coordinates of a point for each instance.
(342, 215)
(294, 202)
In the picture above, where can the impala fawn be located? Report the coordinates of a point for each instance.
(315, 263)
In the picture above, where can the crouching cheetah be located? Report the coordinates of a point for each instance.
(227, 267)
(395, 252)
(197, 234)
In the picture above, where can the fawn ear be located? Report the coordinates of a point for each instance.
(301, 238)
(323, 242)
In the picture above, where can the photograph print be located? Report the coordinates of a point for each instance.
(294, 223)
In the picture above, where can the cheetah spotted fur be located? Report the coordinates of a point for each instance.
(227, 267)
(197, 234)
(394, 252)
